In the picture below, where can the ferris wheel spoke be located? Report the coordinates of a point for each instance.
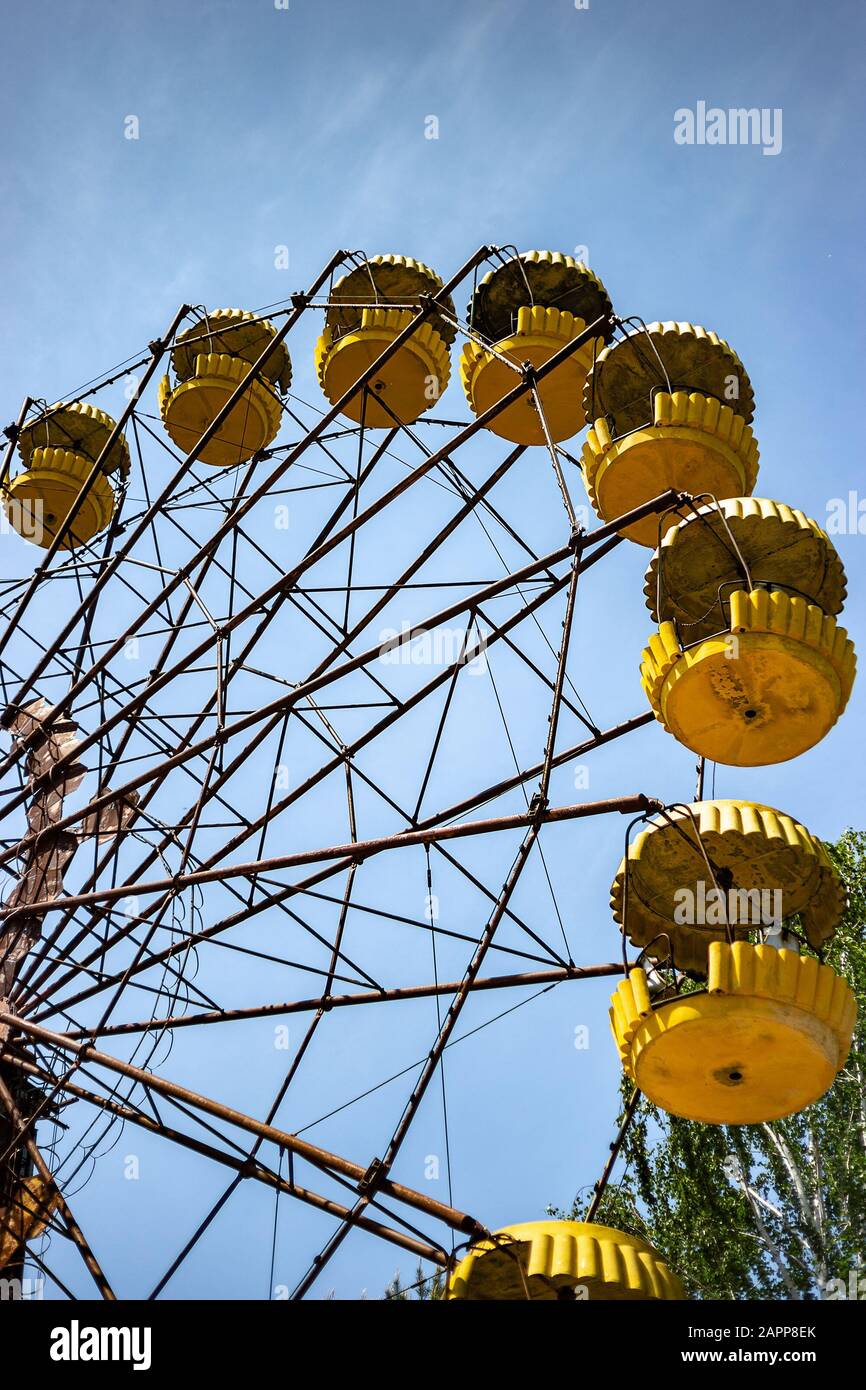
(314, 683)
(402, 994)
(407, 1239)
(320, 1158)
(328, 767)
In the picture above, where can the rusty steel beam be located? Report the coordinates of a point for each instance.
(12, 431)
(354, 850)
(599, 1187)
(567, 755)
(258, 1172)
(302, 1148)
(326, 1002)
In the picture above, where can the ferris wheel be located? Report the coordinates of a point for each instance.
(242, 636)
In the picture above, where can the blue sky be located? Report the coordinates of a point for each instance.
(305, 128)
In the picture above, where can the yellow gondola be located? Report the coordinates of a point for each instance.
(550, 1260)
(669, 407)
(524, 312)
(210, 359)
(368, 308)
(58, 449)
(765, 689)
(700, 561)
(765, 1040)
(29, 1211)
(747, 677)
(774, 868)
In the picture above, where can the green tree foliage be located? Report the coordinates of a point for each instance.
(426, 1286)
(775, 1211)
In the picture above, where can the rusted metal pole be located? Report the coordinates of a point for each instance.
(598, 1189)
(566, 756)
(257, 1171)
(342, 1001)
(12, 432)
(354, 850)
(318, 1157)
